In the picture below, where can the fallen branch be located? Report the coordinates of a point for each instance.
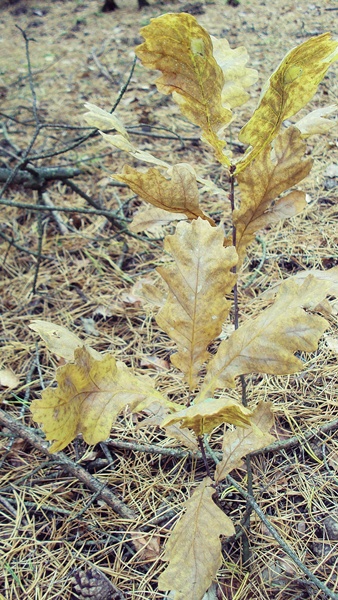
(71, 467)
(41, 174)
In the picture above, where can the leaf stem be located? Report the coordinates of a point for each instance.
(204, 456)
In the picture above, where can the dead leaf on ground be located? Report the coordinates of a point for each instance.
(60, 340)
(147, 545)
(8, 379)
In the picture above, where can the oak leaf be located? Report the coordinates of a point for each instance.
(273, 172)
(90, 395)
(157, 413)
(101, 119)
(210, 413)
(315, 122)
(328, 277)
(237, 76)
(122, 143)
(194, 548)
(60, 340)
(177, 195)
(289, 88)
(198, 280)
(152, 218)
(240, 442)
(182, 50)
(267, 343)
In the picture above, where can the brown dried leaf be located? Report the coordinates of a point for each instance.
(198, 280)
(182, 50)
(152, 218)
(8, 379)
(147, 545)
(90, 395)
(240, 442)
(194, 548)
(263, 180)
(176, 195)
(328, 276)
(315, 122)
(267, 344)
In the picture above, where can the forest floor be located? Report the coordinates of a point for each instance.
(53, 525)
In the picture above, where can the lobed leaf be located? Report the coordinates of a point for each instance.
(315, 122)
(90, 395)
(210, 413)
(60, 340)
(237, 77)
(267, 344)
(152, 218)
(274, 171)
(289, 88)
(194, 548)
(182, 50)
(240, 442)
(177, 195)
(198, 280)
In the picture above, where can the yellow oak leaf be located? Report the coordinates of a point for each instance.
(198, 280)
(315, 122)
(210, 413)
(59, 340)
(273, 172)
(177, 195)
(289, 88)
(237, 76)
(90, 395)
(182, 50)
(267, 343)
(194, 547)
(240, 442)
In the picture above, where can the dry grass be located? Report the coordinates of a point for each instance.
(51, 523)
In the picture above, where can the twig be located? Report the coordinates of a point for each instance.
(40, 237)
(101, 68)
(11, 242)
(57, 217)
(74, 469)
(319, 584)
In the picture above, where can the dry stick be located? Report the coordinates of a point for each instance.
(245, 538)
(250, 500)
(71, 467)
(11, 242)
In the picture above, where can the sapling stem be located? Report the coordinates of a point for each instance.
(248, 510)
